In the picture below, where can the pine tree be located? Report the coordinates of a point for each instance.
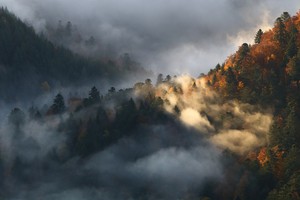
(292, 48)
(58, 106)
(231, 82)
(291, 122)
(293, 69)
(94, 95)
(285, 16)
(280, 32)
(258, 35)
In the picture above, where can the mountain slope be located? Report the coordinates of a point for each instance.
(29, 61)
(268, 73)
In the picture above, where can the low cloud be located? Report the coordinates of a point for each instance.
(231, 125)
(168, 37)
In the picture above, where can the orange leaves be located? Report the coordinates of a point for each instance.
(278, 152)
(267, 53)
(296, 19)
(240, 85)
(229, 62)
(222, 82)
(279, 161)
(262, 156)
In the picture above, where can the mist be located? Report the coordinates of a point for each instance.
(232, 125)
(170, 159)
(145, 141)
(155, 162)
(168, 37)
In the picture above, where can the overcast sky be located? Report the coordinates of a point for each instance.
(169, 36)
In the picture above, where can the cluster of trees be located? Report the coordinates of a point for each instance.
(28, 61)
(268, 73)
(104, 124)
(265, 73)
(68, 35)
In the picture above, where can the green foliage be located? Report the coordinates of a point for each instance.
(285, 16)
(244, 50)
(281, 34)
(294, 68)
(292, 48)
(94, 97)
(58, 106)
(292, 161)
(27, 60)
(258, 36)
(231, 82)
(290, 190)
(270, 81)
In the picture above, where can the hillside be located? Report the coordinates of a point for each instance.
(30, 64)
(267, 73)
(230, 134)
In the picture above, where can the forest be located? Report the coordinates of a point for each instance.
(232, 133)
(31, 64)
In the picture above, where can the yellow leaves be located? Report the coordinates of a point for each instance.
(171, 90)
(222, 83)
(273, 57)
(229, 63)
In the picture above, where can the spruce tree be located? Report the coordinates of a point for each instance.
(94, 95)
(58, 106)
(280, 34)
(258, 35)
(292, 48)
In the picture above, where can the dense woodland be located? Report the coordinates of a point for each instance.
(268, 73)
(30, 63)
(265, 74)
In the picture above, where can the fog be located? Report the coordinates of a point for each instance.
(166, 36)
(156, 162)
(232, 125)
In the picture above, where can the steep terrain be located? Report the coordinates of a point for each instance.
(267, 73)
(231, 134)
(30, 64)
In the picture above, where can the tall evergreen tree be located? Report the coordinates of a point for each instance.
(94, 95)
(293, 69)
(285, 16)
(280, 34)
(231, 82)
(292, 48)
(58, 106)
(258, 35)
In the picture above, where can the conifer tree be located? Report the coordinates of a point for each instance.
(231, 82)
(94, 95)
(280, 34)
(258, 35)
(58, 106)
(292, 48)
(285, 16)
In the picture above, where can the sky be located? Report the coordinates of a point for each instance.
(170, 37)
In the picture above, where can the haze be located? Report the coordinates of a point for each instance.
(171, 37)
